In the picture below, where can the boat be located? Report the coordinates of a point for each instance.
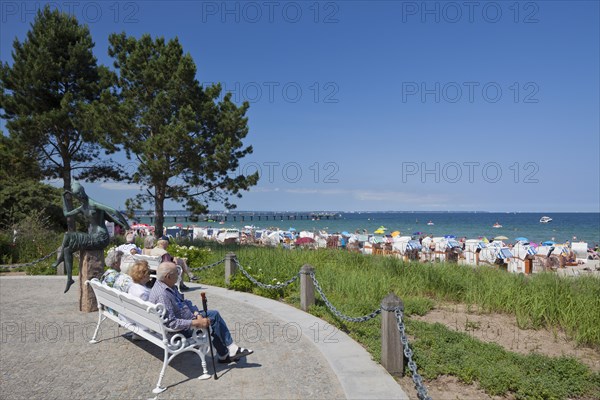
(497, 225)
(545, 220)
(430, 223)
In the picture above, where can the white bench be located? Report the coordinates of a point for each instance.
(153, 261)
(148, 321)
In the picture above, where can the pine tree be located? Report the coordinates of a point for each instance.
(186, 142)
(50, 96)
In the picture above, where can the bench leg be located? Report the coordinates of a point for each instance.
(205, 374)
(158, 388)
(100, 320)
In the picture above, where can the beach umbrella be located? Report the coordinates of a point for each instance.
(345, 233)
(449, 237)
(395, 233)
(500, 238)
(549, 243)
(292, 229)
(380, 231)
(416, 233)
(522, 239)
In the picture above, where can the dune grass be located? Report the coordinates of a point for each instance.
(356, 284)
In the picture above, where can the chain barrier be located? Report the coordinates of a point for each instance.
(408, 353)
(198, 269)
(334, 310)
(11, 266)
(263, 285)
(417, 379)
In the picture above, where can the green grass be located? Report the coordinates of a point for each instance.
(356, 284)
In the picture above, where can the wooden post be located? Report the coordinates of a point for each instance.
(392, 353)
(307, 287)
(230, 267)
(91, 265)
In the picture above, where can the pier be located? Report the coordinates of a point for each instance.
(238, 216)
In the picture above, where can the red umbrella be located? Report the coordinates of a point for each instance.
(304, 240)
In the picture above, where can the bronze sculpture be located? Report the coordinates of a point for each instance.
(97, 237)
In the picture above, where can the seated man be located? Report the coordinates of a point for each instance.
(183, 316)
(161, 251)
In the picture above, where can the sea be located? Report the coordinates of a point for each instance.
(472, 225)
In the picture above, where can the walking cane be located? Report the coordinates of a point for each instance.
(205, 308)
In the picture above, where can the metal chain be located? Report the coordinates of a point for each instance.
(412, 366)
(335, 310)
(198, 269)
(11, 266)
(263, 285)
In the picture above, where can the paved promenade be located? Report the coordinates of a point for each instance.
(45, 354)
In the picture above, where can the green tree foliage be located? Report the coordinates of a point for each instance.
(49, 97)
(21, 192)
(186, 143)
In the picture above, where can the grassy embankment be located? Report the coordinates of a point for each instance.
(356, 284)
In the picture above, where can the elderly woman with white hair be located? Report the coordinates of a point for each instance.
(113, 277)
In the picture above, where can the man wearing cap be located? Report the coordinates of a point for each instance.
(161, 251)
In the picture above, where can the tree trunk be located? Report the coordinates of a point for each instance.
(159, 209)
(68, 197)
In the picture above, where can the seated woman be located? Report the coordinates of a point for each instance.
(113, 277)
(140, 273)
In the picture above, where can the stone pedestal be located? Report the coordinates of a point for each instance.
(91, 265)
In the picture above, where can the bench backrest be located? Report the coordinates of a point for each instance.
(149, 315)
(153, 261)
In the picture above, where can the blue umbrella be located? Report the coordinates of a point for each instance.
(292, 229)
(449, 237)
(522, 239)
(345, 233)
(548, 243)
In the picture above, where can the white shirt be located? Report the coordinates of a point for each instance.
(139, 291)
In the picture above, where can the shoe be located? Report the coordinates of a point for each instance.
(225, 360)
(241, 352)
(193, 278)
(183, 288)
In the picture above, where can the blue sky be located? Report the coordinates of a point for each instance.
(386, 105)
